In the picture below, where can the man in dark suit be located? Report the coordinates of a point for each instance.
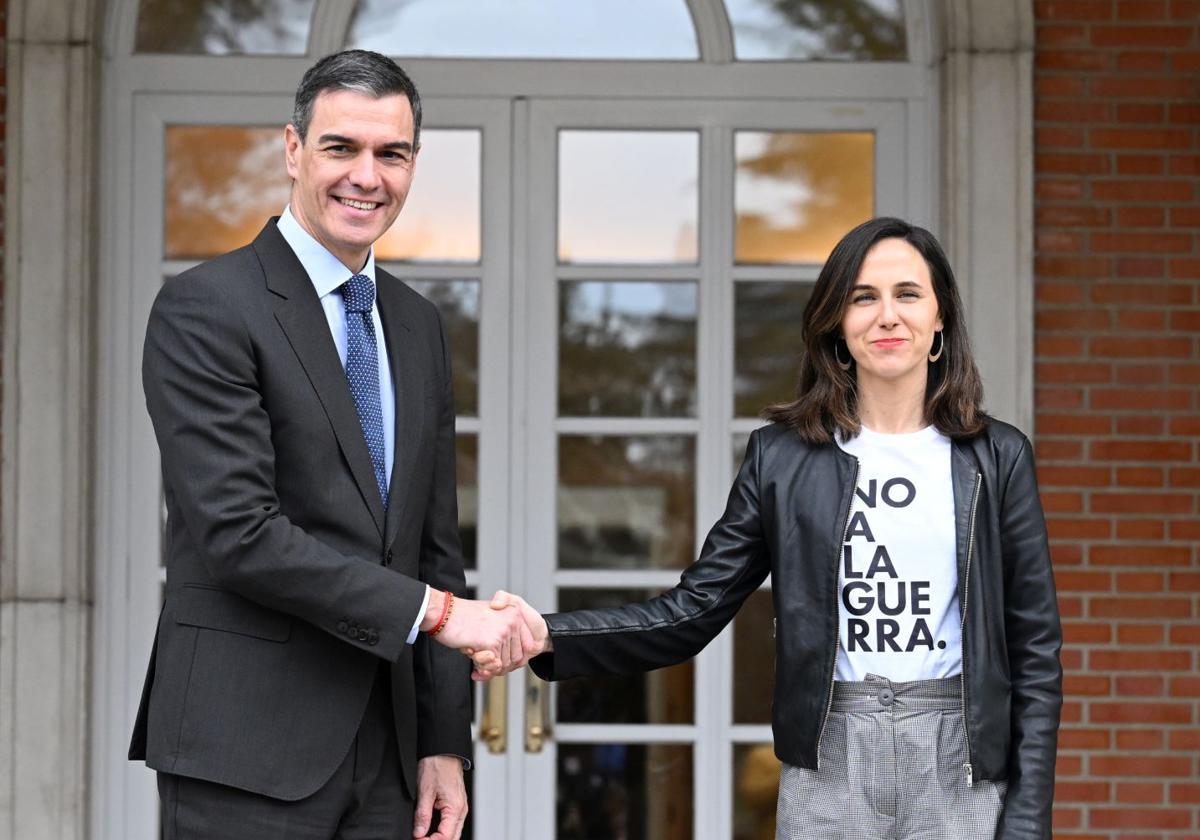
(302, 402)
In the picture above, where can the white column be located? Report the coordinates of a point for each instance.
(44, 565)
(987, 189)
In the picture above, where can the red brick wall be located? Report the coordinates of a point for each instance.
(1117, 160)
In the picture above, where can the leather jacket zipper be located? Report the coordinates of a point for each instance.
(968, 767)
(837, 618)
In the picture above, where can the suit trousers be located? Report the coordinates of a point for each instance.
(365, 799)
(892, 766)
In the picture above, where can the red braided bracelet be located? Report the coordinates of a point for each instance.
(447, 608)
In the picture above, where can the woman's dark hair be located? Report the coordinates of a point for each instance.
(827, 396)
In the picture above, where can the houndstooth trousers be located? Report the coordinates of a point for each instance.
(891, 768)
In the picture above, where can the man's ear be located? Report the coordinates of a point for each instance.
(292, 145)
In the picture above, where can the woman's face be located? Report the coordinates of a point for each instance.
(890, 321)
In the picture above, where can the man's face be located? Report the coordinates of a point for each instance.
(352, 174)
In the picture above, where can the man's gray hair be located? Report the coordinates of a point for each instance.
(357, 70)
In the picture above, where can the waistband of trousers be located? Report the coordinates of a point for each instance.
(877, 693)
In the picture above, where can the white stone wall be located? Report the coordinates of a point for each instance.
(44, 568)
(987, 189)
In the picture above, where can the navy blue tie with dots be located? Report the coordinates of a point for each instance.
(362, 370)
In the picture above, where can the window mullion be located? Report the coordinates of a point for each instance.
(714, 35)
(330, 23)
(715, 366)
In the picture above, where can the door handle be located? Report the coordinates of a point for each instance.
(537, 726)
(493, 728)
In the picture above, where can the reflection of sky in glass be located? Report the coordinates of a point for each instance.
(846, 30)
(629, 29)
(224, 182)
(628, 196)
(797, 193)
(440, 219)
(224, 27)
(598, 304)
(457, 298)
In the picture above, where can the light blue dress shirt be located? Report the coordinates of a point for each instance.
(327, 274)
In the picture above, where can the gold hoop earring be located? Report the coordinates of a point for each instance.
(933, 357)
(838, 356)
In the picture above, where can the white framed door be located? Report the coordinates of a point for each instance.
(209, 172)
(599, 288)
(643, 288)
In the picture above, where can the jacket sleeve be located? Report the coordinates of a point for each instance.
(1034, 638)
(442, 675)
(678, 624)
(203, 393)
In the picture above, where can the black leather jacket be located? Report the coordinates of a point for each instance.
(786, 516)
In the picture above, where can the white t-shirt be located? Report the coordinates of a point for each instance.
(898, 582)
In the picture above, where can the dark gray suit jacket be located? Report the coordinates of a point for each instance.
(287, 583)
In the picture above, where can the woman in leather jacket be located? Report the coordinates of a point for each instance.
(918, 684)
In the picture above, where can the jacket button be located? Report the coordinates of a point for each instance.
(352, 631)
(362, 635)
(343, 626)
(372, 638)
(388, 559)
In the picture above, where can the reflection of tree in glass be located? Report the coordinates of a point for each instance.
(624, 792)
(756, 785)
(466, 473)
(833, 177)
(618, 360)
(223, 183)
(218, 27)
(767, 319)
(458, 303)
(847, 30)
(753, 673)
(626, 502)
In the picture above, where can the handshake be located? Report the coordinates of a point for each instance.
(499, 637)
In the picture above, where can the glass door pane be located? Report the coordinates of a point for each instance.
(798, 192)
(634, 791)
(441, 217)
(627, 349)
(628, 197)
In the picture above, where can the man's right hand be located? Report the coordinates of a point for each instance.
(486, 665)
(500, 637)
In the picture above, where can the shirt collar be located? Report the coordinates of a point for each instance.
(326, 271)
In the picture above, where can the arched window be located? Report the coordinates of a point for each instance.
(773, 30)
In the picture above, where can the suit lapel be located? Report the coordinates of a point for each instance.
(408, 381)
(298, 311)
